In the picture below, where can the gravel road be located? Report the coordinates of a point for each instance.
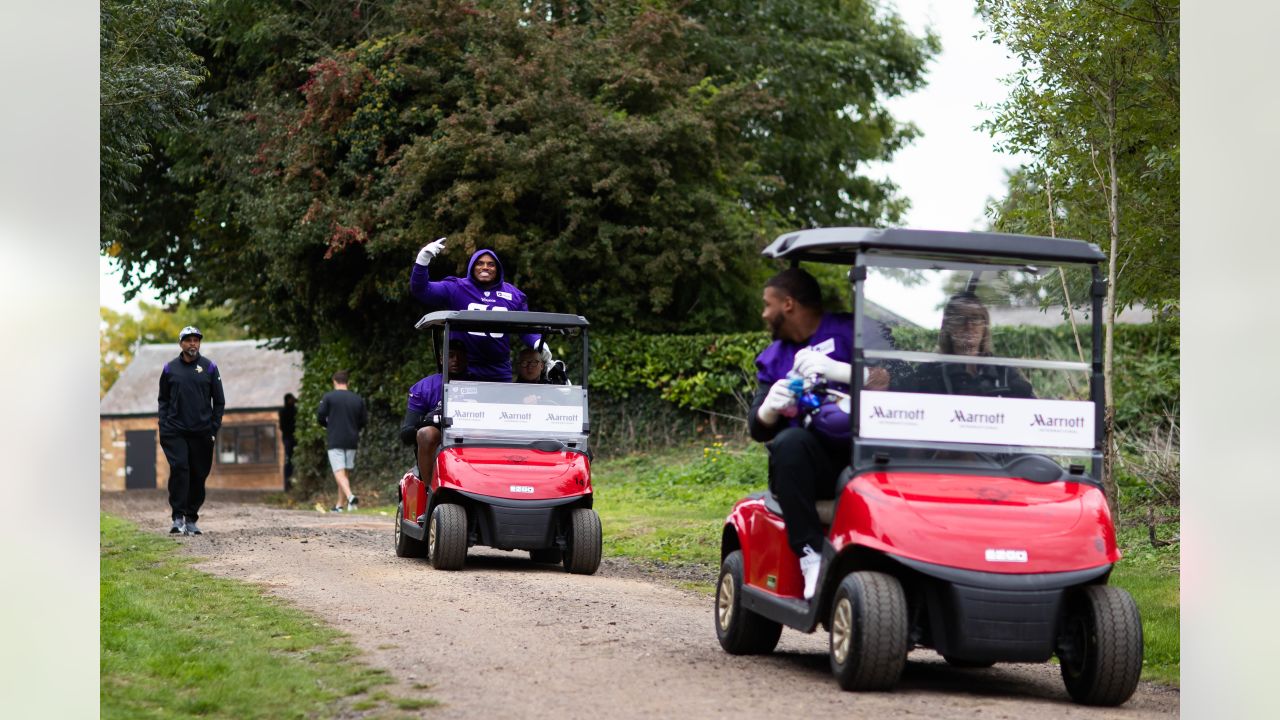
(504, 638)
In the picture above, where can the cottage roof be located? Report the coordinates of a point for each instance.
(253, 376)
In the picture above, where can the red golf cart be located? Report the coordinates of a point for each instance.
(513, 470)
(971, 518)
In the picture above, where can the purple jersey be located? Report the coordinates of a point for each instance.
(834, 338)
(426, 394)
(488, 354)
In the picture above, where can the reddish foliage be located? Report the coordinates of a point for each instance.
(330, 90)
(342, 237)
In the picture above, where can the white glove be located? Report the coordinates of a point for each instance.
(779, 399)
(811, 362)
(544, 352)
(428, 252)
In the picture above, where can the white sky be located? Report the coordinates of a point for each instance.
(948, 173)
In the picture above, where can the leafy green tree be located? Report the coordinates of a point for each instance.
(120, 333)
(1096, 102)
(622, 166)
(591, 144)
(148, 79)
(829, 66)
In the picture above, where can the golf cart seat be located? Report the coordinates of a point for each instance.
(826, 508)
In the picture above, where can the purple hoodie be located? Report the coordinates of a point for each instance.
(488, 354)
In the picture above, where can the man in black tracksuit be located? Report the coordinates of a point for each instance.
(191, 404)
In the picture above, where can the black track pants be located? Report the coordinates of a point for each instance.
(802, 470)
(190, 458)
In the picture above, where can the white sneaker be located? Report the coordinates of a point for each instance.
(810, 564)
(352, 502)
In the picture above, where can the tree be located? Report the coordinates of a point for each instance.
(120, 334)
(148, 77)
(830, 66)
(1096, 101)
(590, 143)
(619, 165)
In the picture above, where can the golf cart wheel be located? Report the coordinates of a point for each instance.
(1101, 647)
(406, 546)
(447, 537)
(740, 631)
(546, 555)
(868, 631)
(582, 554)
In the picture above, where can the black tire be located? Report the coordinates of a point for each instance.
(582, 554)
(406, 546)
(962, 663)
(868, 631)
(740, 631)
(1100, 648)
(447, 537)
(546, 555)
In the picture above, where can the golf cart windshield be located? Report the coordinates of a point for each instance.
(522, 412)
(992, 361)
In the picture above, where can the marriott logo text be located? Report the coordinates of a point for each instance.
(1057, 422)
(881, 413)
(985, 418)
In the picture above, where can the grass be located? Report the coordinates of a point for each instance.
(177, 642)
(1151, 576)
(668, 509)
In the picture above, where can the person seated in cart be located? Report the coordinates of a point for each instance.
(803, 463)
(419, 430)
(530, 367)
(483, 288)
(966, 330)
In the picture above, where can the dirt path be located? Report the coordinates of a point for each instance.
(506, 639)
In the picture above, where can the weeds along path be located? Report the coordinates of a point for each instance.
(504, 638)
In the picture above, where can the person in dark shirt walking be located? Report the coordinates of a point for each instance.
(288, 424)
(343, 414)
(191, 404)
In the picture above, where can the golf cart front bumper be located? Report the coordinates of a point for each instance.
(519, 524)
(996, 617)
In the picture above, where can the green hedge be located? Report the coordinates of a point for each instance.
(656, 391)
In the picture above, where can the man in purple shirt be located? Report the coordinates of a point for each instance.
(804, 464)
(484, 288)
(418, 429)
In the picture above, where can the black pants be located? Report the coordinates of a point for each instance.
(803, 468)
(289, 445)
(190, 458)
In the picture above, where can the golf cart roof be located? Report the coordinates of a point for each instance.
(841, 245)
(514, 321)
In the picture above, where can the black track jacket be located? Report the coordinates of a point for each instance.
(191, 399)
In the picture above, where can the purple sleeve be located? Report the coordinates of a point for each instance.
(430, 293)
(769, 362)
(425, 394)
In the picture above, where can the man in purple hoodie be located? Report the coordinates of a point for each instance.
(484, 288)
